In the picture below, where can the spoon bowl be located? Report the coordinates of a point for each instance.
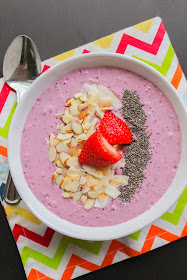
(21, 66)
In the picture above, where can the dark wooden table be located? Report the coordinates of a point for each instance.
(60, 25)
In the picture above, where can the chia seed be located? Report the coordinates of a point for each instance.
(137, 154)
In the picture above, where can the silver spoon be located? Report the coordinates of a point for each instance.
(21, 66)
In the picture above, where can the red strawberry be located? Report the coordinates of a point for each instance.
(97, 151)
(115, 130)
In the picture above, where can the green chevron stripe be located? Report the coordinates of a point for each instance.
(54, 262)
(4, 130)
(174, 217)
(163, 69)
(135, 235)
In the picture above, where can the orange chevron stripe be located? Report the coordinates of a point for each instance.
(118, 246)
(177, 76)
(36, 275)
(3, 151)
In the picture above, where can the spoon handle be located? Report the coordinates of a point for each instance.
(11, 195)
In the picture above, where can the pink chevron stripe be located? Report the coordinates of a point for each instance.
(85, 51)
(46, 67)
(153, 48)
(6, 90)
(4, 95)
(42, 240)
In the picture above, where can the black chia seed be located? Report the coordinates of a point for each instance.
(137, 154)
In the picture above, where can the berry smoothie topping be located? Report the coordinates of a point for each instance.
(85, 159)
(115, 130)
(97, 151)
(138, 154)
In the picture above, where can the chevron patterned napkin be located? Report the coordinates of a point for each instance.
(46, 254)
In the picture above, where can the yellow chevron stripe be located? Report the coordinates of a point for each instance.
(144, 26)
(105, 41)
(26, 214)
(64, 56)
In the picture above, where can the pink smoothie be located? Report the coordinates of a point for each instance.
(165, 142)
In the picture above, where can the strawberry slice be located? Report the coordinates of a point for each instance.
(115, 130)
(97, 151)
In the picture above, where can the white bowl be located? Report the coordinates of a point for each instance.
(17, 125)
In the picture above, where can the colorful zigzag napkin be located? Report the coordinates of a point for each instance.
(48, 255)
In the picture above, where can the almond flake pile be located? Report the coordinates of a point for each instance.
(93, 186)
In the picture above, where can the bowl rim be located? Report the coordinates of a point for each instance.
(68, 228)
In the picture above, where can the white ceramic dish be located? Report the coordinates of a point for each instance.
(15, 133)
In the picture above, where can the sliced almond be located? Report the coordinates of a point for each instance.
(76, 196)
(105, 102)
(78, 94)
(61, 147)
(72, 187)
(54, 142)
(82, 180)
(67, 119)
(59, 163)
(104, 109)
(83, 198)
(64, 136)
(52, 154)
(86, 126)
(73, 151)
(82, 106)
(76, 127)
(59, 126)
(64, 173)
(83, 114)
(66, 128)
(73, 142)
(66, 194)
(67, 182)
(64, 157)
(75, 171)
(84, 97)
(81, 137)
(85, 189)
(94, 194)
(99, 113)
(72, 162)
(59, 180)
(75, 101)
(97, 187)
(74, 110)
(117, 104)
(67, 141)
(59, 171)
(112, 191)
(90, 180)
(102, 197)
(87, 119)
(55, 174)
(75, 177)
(91, 108)
(89, 203)
(92, 127)
(93, 171)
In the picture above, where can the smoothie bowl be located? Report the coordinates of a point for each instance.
(97, 146)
